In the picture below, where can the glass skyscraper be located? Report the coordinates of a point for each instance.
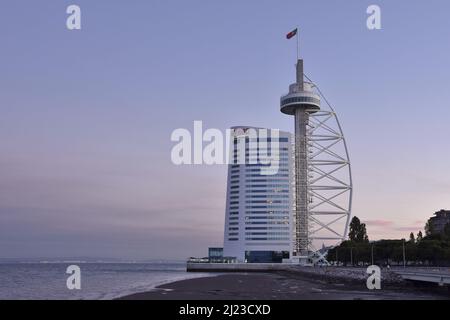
(259, 204)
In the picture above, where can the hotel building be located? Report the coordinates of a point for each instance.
(259, 224)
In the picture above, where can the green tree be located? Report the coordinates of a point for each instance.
(411, 238)
(358, 232)
(419, 236)
(428, 228)
(411, 252)
(447, 231)
(430, 251)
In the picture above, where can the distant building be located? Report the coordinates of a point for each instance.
(259, 208)
(439, 221)
(215, 254)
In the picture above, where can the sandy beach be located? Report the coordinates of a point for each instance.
(283, 286)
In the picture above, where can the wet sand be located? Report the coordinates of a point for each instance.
(280, 286)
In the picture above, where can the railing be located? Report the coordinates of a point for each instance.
(440, 278)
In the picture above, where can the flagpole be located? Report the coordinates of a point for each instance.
(298, 56)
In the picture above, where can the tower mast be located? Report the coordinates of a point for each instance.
(300, 102)
(323, 180)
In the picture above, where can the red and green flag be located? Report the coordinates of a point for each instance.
(292, 34)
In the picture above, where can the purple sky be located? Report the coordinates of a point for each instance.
(86, 116)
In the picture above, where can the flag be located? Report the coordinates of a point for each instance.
(292, 34)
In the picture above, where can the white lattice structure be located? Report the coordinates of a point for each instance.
(323, 182)
(330, 186)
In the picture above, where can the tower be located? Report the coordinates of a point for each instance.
(323, 187)
(301, 102)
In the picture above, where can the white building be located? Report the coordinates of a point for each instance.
(260, 205)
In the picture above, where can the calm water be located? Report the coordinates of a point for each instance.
(98, 280)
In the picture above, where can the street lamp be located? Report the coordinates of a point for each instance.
(372, 254)
(404, 254)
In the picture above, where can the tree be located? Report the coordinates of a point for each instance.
(358, 232)
(447, 231)
(428, 228)
(411, 252)
(365, 237)
(411, 238)
(430, 251)
(419, 236)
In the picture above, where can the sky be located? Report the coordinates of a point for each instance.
(86, 116)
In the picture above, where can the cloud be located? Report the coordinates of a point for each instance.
(409, 229)
(383, 229)
(379, 223)
(66, 208)
(391, 225)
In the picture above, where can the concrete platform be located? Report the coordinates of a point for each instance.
(237, 267)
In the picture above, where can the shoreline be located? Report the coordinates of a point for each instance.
(285, 285)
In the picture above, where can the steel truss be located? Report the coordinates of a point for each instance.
(330, 186)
